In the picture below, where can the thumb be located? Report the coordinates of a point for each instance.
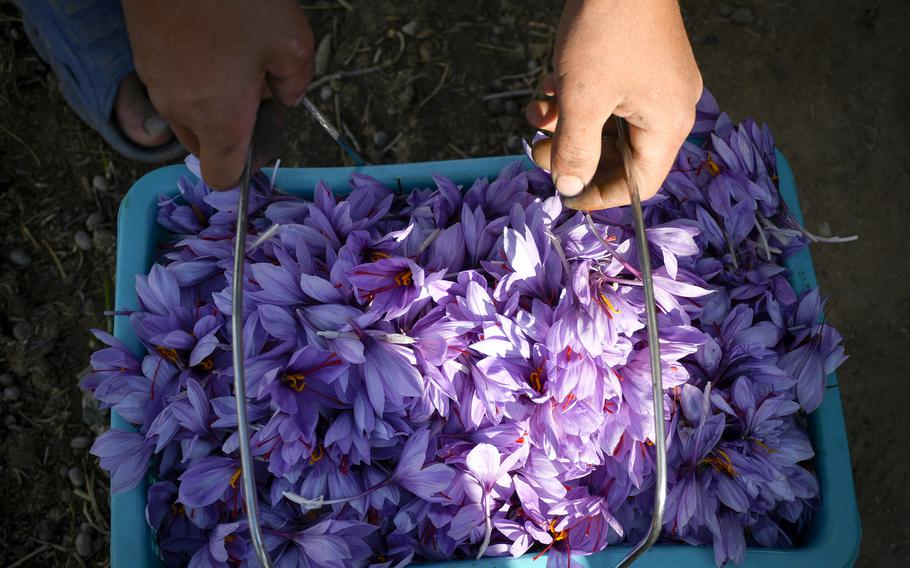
(577, 139)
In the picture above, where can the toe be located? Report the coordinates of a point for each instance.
(136, 116)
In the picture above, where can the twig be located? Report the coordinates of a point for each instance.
(12, 135)
(524, 75)
(509, 94)
(56, 261)
(401, 46)
(458, 150)
(59, 548)
(29, 556)
(391, 144)
(498, 48)
(357, 43)
(442, 80)
(344, 75)
(351, 137)
(345, 5)
(28, 235)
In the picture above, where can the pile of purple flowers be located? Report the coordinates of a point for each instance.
(463, 372)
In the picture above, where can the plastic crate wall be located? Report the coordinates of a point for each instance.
(832, 540)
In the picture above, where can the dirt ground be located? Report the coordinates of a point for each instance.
(828, 76)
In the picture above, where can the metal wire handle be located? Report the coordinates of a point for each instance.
(657, 388)
(243, 429)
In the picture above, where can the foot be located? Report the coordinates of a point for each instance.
(136, 115)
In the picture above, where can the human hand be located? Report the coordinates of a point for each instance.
(207, 64)
(629, 58)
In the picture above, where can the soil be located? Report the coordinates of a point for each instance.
(828, 76)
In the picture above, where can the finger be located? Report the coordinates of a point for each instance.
(548, 85)
(609, 156)
(653, 154)
(187, 138)
(542, 115)
(604, 191)
(288, 82)
(223, 145)
(577, 138)
(267, 134)
(291, 70)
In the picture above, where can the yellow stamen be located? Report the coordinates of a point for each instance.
(606, 301)
(296, 381)
(721, 463)
(535, 381)
(316, 455)
(557, 535)
(764, 445)
(235, 477)
(207, 364)
(404, 278)
(167, 353)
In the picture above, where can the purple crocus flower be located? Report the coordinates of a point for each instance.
(208, 480)
(126, 455)
(411, 473)
(392, 285)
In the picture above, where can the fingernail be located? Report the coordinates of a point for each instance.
(156, 125)
(569, 186)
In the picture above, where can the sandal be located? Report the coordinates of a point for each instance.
(86, 44)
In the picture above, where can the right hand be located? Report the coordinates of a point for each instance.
(207, 64)
(628, 58)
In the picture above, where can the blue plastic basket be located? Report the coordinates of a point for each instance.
(832, 540)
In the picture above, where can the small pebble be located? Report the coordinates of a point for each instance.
(511, 107)
(743, 16)
(513, 143)
(45, 530)
(100, 183)
(499, 84)
(725, 10)
(425, 50)
(406, 95)
(326, 92)
(494, 106)
(19, 257)
(9, 421)
(410, 28)
(84, 544)
(83, 240)
(22, 331)
(323, 55)
(11, 394)
(381, 138)
(77, 478)
(94, 220)
(79, 443)
(6, 380)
